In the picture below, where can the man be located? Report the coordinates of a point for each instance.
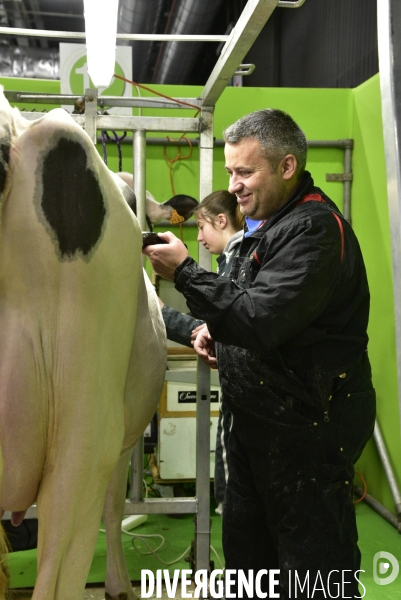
(290, 323)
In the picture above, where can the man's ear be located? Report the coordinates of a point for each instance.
(222, 220)
(289, 167)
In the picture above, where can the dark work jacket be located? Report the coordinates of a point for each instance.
(293, 313)
(179, 326)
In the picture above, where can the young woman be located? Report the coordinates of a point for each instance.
(220, 230)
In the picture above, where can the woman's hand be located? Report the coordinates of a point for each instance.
(195, 332)
(204, 346)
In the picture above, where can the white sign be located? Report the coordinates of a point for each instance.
(74, 78)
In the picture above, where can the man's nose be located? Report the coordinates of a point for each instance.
(235, 185)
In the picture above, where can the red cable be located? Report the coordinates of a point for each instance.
(144, 87)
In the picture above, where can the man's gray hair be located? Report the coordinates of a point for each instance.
(276, 132)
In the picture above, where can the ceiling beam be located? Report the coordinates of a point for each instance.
(157, 37)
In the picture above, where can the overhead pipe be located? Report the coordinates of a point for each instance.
(140, 16)
(24, 61)
(178, 59)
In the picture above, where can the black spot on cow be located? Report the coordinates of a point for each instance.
(4, 157)
(72, 200)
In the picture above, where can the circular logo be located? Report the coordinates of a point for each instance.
(382, 568)
(80, 80)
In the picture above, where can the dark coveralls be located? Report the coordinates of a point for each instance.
(291, 324)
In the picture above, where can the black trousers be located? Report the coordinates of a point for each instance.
(289, 501)
(221, 454)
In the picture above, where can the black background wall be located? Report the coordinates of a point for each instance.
(324, 43)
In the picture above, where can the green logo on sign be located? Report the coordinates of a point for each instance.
(80, 80)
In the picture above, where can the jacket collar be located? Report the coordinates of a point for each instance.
(303, 188)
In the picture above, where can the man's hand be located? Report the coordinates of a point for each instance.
(204, 347)
(165, 258)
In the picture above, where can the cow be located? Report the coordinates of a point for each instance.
(177, 209)
(82, 347)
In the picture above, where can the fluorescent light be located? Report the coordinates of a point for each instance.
(101, 30)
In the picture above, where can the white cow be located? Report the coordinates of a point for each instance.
(82, 347)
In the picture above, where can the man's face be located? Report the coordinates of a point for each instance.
(259, 190)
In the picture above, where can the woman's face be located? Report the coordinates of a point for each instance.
(210, 234)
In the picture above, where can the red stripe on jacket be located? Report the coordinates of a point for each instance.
(319, 198)
(315, 197)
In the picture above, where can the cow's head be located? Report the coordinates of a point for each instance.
(177, 209)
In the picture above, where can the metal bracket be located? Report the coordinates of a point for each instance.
(245, 69)
(289, 4)
(339, 177)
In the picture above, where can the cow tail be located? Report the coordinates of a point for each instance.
(4, 572)
(4, 548)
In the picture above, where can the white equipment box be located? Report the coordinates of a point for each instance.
(176, 448)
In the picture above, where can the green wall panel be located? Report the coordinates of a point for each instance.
(371, 223)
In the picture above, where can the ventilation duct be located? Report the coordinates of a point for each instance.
(15, 14)
(177, 59)
(139, 16)
(17, 61)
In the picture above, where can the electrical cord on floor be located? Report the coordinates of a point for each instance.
(365, 488)
(151, 551)
(218, 559)
(140, 537)
(136, 536)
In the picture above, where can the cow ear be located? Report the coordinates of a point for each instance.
(183, 204)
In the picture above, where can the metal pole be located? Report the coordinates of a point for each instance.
(385, 458)
(91, 113)
(290, 4)
(379, 508)
(146, 37)
(139, 168)
(347, 183)
(219, 143)
(136, 494)
(203, 527)
(389, 43)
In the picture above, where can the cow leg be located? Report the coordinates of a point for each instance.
(118, 584)
(66, 544)
(142, 391)
(70, 510)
